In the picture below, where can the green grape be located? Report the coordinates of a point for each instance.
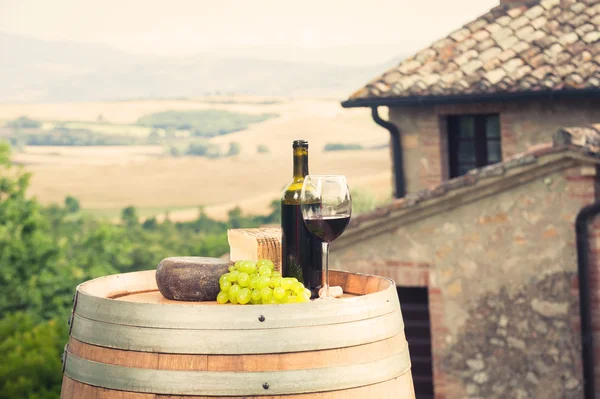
(232, 297)
(294, 279)
(306, 293)
(265, 301)
(273, 301)
(255, 301)
(296, 287)
(276, 274)
(225, 285)
(248, 266)
(234, 290)
(237, 264)
(286, 283)
(224, 277)
(266, 293)
(244, 296)
(279, 293)
(303, 298)
(253, 282)
(265, 270)
(223, 297)
(233, 275)
(291, 299)
(262, 282)
(256, 294)
(231, 268)
(275, 282)
(265, 262)
(243, 279)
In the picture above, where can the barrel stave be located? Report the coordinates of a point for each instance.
(127, 342)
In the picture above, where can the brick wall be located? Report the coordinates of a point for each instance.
(523, 124)
(502, 281)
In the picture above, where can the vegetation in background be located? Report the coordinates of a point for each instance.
(45, 252)
(203, 123)
(341, 147)
(234, 149)
(163, 127)
(72, 137)
(364, 201)
(262, 149)
(24, 122)
(203, 148)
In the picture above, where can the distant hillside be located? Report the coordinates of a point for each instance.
(34, 70)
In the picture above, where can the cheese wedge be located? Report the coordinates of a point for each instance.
(255, 244)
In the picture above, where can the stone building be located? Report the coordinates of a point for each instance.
(482, 239)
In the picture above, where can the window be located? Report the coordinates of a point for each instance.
(473, 142)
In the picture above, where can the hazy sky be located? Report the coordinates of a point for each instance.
(180, 27)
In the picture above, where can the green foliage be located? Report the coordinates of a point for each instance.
(72, 137)
(342, 147)
(234, 149)
(72, 204)
(262, 149)
(45, 252)
(27, 253)
(174, 151)
(129, 216)
(363, 201)
(30, 353)
(203, 149)
(24, 122)
(204, 123)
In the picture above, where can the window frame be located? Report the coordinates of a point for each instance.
(480, 142)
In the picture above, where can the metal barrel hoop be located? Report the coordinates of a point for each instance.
(72, 316)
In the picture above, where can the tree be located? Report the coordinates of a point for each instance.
(30, 353)
(234, 149)
(235, 217)
(28, 254)
(342, 147)
(72, 204)
(129, 216)
(24, 123)
(262, 149)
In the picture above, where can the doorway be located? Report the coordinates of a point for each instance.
(414, 303)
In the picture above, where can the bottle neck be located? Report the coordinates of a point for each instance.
(300, 163)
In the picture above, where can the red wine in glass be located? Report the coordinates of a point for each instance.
(326, 208)
(327, 228)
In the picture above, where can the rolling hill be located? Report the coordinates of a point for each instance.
(34, 70)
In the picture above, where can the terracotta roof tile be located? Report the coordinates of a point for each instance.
(557, 40)
(582, 140)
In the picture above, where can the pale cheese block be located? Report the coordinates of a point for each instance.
(255, 244)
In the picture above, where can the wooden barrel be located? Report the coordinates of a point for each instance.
(129, 342)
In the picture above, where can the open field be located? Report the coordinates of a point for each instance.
(106, 179)
(150, 181)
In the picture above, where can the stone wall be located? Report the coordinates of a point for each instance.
(523, 125)
(502, 279)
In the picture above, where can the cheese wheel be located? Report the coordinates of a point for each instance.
(190, 278)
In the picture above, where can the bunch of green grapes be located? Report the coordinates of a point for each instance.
(258, 283)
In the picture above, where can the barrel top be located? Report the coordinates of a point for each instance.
(133, 299)
(140, 287)
(110, 310)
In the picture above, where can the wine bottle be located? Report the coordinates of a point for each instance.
(301, 252)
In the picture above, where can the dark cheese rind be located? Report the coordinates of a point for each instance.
(190, 278)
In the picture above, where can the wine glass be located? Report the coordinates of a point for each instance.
(326, 208)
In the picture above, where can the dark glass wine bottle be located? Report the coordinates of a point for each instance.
(301, 252)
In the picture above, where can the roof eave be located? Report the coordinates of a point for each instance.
(470, 98)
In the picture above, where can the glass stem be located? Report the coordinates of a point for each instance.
(325, 277)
